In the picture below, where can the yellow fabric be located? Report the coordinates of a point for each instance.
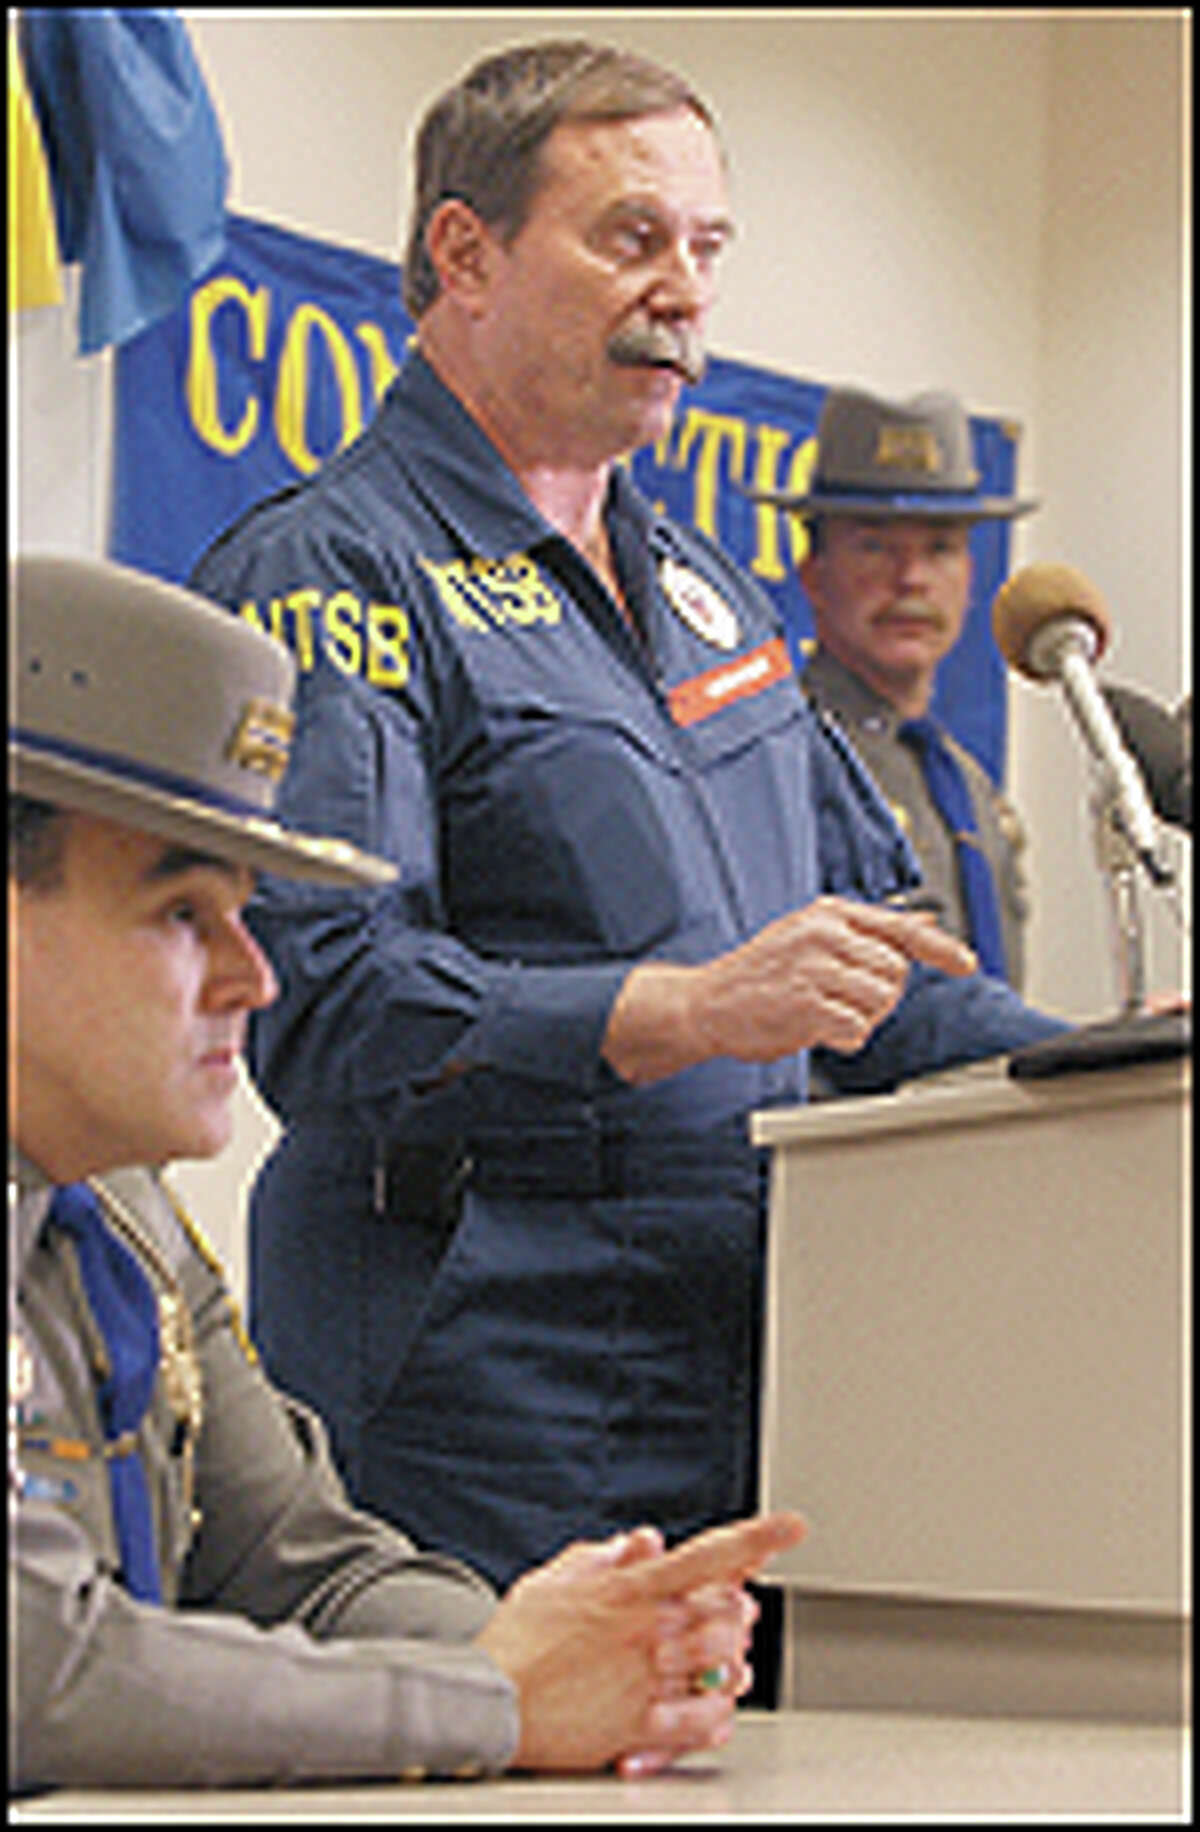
(34, 270)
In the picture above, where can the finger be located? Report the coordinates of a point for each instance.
(687, 1637)
(627, 1548)
(717, 1644)
(719, 1600)
(690, 1723)
(915, 933)
(844, 1022)
(722, 1553)
(640, 1543)
(645, 1762)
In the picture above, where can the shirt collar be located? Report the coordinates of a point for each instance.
(836, 688)
(453, 465)
(29, 1193)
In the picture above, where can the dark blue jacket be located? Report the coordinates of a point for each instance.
(525, 1294)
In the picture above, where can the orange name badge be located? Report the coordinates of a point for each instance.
(707, 693)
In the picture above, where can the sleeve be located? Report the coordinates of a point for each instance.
(940, 1023)
(380, 1003)
(311, 1642)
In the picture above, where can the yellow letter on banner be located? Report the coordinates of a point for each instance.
(202, 395)
(384, 368)
(291, 395)
(767, 563)
(713, 428)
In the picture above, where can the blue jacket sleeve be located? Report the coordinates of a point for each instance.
(940, 1023)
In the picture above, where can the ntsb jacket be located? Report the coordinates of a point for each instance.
(523, 1293)
(297, 1638)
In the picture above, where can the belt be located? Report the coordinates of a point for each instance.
(581, 1162)
(601, 1163)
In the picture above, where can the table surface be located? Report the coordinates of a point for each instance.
(783, 1765)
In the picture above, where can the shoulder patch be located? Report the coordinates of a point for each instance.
(700, 604)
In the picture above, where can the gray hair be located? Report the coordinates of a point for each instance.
(481, 141)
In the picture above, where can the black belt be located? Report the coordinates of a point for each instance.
(573, 1163)
(427, 1178)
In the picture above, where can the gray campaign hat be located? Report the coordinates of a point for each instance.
(140, 702)
(886, 458)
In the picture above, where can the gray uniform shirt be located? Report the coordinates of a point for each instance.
(299, 1639)
(871, 724)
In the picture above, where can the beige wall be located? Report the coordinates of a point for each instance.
(984, 201)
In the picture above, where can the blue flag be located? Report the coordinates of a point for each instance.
(134, 152)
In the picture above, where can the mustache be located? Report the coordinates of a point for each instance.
(909, 610)
(653, 344)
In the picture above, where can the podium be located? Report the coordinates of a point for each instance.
(977, 1390)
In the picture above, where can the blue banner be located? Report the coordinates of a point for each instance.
(283, 350)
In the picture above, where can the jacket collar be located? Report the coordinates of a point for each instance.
(470, 487)
(836, 689)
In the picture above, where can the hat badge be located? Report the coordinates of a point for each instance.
(905, 447)
(262, 738)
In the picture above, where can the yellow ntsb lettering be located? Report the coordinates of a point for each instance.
(343, 631)
(387, 645)
(360, 638)
(482, 594)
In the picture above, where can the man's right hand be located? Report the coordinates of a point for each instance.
(827, 974)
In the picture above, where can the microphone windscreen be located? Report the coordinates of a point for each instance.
(1037, 595)
(1158, 741)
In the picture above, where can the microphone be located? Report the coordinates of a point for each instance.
(1050, 623)
(1159, 742)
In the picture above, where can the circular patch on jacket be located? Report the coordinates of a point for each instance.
(700, 605)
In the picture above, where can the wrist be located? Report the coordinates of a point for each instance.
(652, 1029)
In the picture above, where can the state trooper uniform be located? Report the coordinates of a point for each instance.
(872, 725)
(525, 1295)
(366, 1668)
(913, 460)
(282, 1635)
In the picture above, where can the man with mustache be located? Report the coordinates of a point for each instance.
(889, 514)
(510, 1242)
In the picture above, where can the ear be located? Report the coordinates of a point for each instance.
(461, 247)
(810, 575)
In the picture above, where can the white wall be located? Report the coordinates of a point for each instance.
(984, 201)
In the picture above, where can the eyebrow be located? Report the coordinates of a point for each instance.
(649, 203)
(175, 861)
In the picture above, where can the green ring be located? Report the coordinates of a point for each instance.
(712, 1678)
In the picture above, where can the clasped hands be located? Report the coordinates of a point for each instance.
(624, 1653)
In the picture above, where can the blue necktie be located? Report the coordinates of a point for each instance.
(951, 798)
(124, 1305)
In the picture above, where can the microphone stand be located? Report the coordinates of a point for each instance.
(1118, 862)
(1136, 1034)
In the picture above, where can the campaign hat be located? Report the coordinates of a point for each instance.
(894, 458)
(138, 701)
